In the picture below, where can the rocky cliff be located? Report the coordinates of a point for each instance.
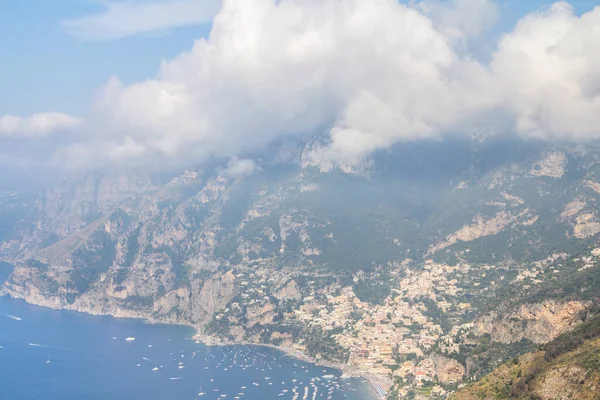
(539, 323)
(566, 368)
(413, 264)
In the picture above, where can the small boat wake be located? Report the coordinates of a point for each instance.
(38, 345)
(14, 317)
(175, 379)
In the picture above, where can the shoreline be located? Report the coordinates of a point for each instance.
(347, 371)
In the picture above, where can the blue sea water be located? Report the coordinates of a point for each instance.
(64, 355)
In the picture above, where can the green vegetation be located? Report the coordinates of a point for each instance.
(486, 355)
(522, 377)
(37, 264)
(139, 301)
(178, 266)
(372, 290)
(320, 343)
(571, 340)
(99, 252)
(92, 260)
(133, 246)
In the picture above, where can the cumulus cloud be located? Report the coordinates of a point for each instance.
(375, 71)
(368, 73)
(237, 168)
(548, 69)
(461, 20)
(42, 124)
(130, 17)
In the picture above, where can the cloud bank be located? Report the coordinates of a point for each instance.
(37, 125)
(367, 73)
(126, 18)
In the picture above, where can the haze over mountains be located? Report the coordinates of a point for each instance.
(393, 188)
(410, 258)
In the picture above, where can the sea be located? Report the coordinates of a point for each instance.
(65, 355)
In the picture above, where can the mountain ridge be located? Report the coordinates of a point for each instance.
(396, 265)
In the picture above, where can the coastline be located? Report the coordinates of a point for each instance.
(348, 371)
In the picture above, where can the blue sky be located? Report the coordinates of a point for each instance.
(44, 68)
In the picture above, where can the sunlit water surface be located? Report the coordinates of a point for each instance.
(49, 354)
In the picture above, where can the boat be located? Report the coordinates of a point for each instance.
(130, 339)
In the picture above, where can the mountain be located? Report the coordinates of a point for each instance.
(423, 266)
(566, 368)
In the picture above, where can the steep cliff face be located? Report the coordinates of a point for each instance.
(72, 205)
(539, 323)
(416, 252)
(567, 368)
(135, 298)
(448, 370)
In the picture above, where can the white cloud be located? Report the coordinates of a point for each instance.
(130, 17)
(461, 20)
(240, 167)
(37, 125)
(371, 73)
(376, 71)
(549, 72)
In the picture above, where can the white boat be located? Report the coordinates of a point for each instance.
(130, 339)
(155, 369)
(13, 317)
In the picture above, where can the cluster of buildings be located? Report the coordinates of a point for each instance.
(394, 339)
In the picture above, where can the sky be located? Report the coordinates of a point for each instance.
(87, 84)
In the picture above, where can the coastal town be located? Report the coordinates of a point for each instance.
(399, 344)
(409, 342)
